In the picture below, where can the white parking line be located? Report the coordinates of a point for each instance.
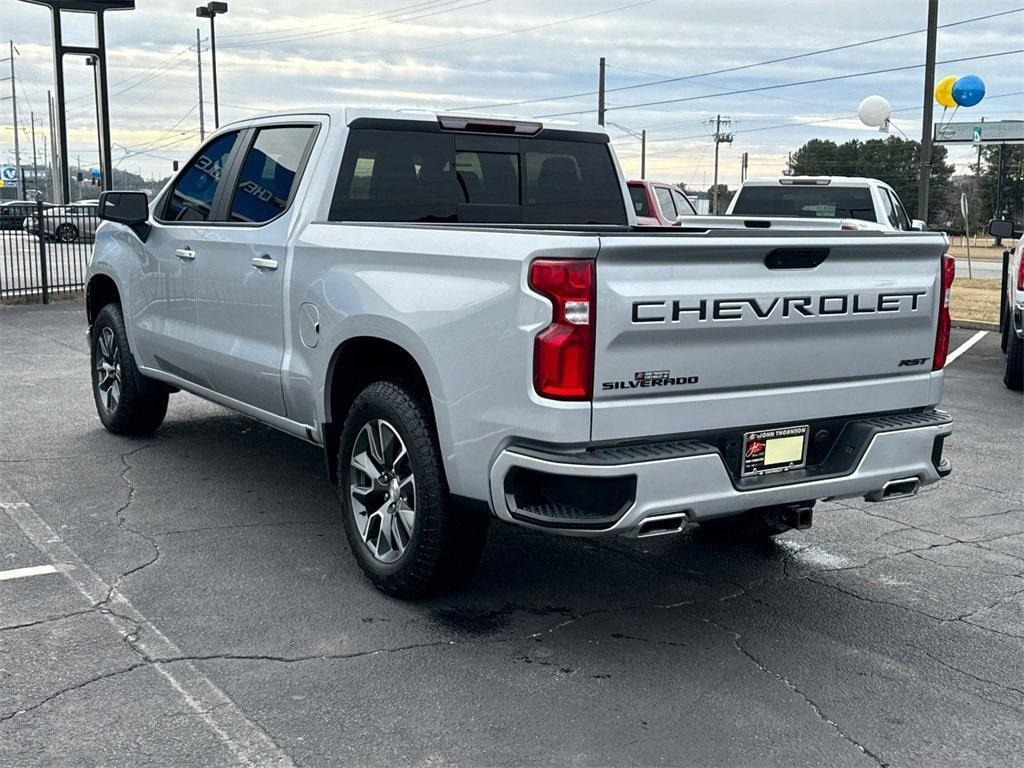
(965, 346)
(247, 741)
(34, 570)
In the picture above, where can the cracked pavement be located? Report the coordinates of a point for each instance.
(211, 613)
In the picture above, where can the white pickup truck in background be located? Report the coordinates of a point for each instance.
(861, 202)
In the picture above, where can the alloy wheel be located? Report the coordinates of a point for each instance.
(108, 370)
(382, 490)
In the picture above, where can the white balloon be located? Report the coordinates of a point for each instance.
(874, 111)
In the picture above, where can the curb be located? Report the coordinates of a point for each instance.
(973, 325)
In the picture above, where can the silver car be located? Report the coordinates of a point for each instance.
(67, 223)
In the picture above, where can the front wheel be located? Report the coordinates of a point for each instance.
(405, 532)
(126, 401)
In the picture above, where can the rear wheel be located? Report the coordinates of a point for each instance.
(405, 532)
(1013, 378)
(126, 401)
(66, 233)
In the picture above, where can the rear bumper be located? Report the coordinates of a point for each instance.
(621, 488)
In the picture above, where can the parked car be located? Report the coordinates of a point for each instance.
(1012, 305)
(67, 223)
(12, 213)
(658, 204)
(551, 365)
(867, 203)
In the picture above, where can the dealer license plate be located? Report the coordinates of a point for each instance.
(774, 450)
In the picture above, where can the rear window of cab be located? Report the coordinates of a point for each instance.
(435, 176)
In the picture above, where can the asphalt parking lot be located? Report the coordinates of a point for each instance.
(203, 609)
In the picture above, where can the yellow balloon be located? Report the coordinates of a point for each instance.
(944, 92)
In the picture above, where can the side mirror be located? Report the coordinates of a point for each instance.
(918, 226)
(129, 208)
(1002, 228)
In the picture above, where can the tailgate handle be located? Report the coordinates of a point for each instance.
(795, 258)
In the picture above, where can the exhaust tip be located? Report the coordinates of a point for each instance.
(902, 488)
(661, 525)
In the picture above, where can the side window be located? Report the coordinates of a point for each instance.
(270, 173)
(638, 195)
(888, 209)
(668, 208)
(683, 204)
(191, 197)
(901, 213)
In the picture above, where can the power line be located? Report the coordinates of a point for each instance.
(812, 81)
(740, 67)
(494, 35)
(347, 31)
(306, 26)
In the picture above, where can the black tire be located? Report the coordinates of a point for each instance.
(1013, 378)
(66, 233)
(138, 405)
(445, 542)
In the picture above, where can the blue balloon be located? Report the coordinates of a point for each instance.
(968, 90)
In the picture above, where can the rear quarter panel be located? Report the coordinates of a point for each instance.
(457, 300)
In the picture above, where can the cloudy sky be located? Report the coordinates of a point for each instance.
(527, 57)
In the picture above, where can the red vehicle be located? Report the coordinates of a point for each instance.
(657, 204)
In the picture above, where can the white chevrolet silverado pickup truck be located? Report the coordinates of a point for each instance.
(463, 313)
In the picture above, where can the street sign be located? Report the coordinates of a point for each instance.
(95, 174)
(995, 132)
(9, 173)
(963, 204)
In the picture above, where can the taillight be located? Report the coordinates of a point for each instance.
(563, 353)
(942, 330)
(1020, 270)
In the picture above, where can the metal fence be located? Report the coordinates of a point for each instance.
(44, 249)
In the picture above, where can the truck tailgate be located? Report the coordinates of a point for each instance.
(698, 331)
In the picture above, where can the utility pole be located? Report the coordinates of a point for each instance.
(925, 170)
(643, 153)
(56, 182)
(720, 138)
(199, 66)
(17, 149)
(997, 212)
(744, 161)
(35, 162)
(600, 93)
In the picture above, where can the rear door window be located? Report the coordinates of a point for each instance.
(810, 201)
(426, 176)
(270, 173)
(638, 195)
(191, 197)
(683, 204)
(668, 208)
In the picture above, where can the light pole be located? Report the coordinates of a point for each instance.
(210, 11)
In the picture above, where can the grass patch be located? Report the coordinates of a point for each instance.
(976, 299)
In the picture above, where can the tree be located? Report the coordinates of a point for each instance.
(892, 160)
(1013, 181)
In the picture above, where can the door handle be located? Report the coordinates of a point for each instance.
(185, 254)
(264, 262)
